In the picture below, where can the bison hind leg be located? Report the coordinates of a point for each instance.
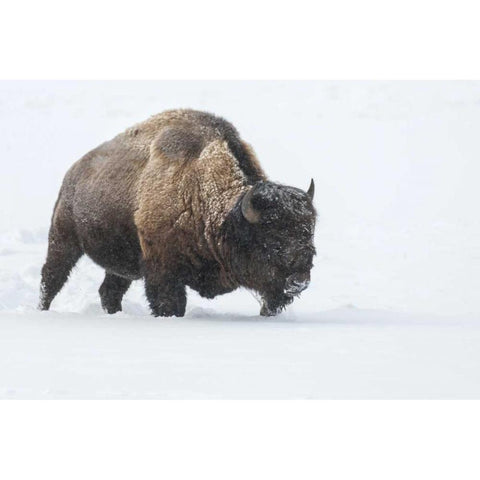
(112, 291)
(63, 254)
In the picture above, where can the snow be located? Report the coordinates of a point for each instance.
(392, 310)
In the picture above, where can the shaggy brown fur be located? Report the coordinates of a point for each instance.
(163, 201)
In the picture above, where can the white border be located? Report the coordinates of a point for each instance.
(252, 39)
(239, 440)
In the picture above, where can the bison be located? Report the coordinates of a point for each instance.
(180, 200)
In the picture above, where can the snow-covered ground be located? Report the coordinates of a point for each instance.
(393, 308)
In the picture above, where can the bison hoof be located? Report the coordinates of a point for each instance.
(112, 308)
(269, 312)
(165, 311)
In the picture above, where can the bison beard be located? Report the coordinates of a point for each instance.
(180, 200)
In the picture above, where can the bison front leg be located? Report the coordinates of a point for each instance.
(165, 294)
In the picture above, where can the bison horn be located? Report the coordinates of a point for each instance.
(250, 214)
(311, 190)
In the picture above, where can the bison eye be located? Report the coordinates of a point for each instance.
(301, 263)
(297, 264)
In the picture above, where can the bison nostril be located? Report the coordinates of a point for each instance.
(302, 285)
(296, 284)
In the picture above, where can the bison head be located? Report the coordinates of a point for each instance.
(279, 223)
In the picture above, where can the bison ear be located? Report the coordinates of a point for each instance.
(251, 214)
(311, 189)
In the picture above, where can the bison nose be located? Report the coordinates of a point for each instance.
(297, 283)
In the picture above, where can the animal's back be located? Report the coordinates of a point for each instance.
(185, 133)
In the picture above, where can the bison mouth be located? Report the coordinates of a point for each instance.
(273, 304)
(268, 310)
(296, 284)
